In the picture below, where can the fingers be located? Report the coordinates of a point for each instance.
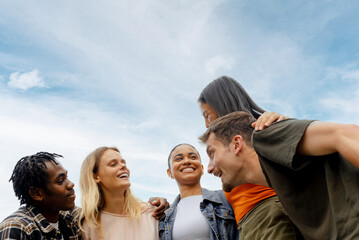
(282, 117)
(161, 205)
(266, 119)
(159, 212)
(154, 201)
(260, 123)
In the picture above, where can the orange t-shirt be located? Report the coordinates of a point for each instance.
(244, 197)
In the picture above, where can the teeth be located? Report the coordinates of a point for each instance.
(188, 170)
(123, 175)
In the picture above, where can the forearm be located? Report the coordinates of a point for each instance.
(348, 144)
(325, 138)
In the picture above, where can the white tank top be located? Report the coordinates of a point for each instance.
(190, 224)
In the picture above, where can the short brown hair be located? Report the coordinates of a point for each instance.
(230, 125)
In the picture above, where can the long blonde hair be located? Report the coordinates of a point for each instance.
(92, 200)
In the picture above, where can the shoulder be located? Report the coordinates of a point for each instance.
(217, 193)
(71, 214)
(147, 208)
(19, 223)
(279, 132)
(288, 124)
(216, 196)
(70, 219)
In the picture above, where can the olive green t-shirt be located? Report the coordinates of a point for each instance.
(320, 194)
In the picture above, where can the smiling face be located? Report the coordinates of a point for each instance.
(59, 193)
(112, 174)
(186, 167)
(226, 160)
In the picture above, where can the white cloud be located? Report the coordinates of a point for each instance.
(26, 80)
(343, 106)
(342, 101)
(217, 64)
(346, 73)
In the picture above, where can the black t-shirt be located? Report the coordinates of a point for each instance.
(320, 194)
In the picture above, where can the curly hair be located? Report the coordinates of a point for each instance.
(30, 172)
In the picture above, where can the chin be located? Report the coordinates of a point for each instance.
(67, 208)
(227, 187)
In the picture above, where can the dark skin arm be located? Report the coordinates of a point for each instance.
(161, 206)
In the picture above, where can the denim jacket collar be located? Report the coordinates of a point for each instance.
(210, 196)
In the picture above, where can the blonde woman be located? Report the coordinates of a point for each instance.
(109, 210)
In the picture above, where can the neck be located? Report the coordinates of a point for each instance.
(114, 203)
(192, 190)
(51, 216)
(255, 175)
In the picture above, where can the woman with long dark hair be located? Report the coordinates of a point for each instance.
(222, 96)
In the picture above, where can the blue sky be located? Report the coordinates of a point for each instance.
(78, 75)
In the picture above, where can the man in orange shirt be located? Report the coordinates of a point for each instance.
(313, 167)
(258, 212)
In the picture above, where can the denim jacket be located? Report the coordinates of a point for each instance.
(215, 208)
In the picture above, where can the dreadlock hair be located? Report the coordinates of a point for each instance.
(29, 172)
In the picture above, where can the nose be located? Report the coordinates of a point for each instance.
(70, 185)
(210, 167)
(207, 123)
(186, 160)
(122, 165)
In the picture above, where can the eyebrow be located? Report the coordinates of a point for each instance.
(117, 159)
(193, 153)
(61, 175)
(180, 154)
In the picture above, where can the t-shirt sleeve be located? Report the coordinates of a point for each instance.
(278, 143)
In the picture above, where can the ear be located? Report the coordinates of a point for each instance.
(202, 168)
(97, 179)
(237, 142)
(36, 193)
(169, 173)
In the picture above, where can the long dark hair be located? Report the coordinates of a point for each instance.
(225, 95)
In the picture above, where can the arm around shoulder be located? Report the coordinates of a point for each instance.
(321, 138)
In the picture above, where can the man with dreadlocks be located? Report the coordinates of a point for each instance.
(41, 184)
